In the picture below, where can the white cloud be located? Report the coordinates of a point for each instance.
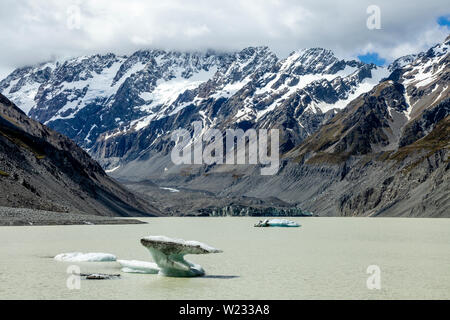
(36, 30)
(4, 71)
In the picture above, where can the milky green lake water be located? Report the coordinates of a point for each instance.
(326, 258)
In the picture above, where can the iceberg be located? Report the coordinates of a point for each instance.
(277, 223)
(135, 266)
(85, 257)
(169, 255)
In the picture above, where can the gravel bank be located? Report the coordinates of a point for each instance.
(31, 217)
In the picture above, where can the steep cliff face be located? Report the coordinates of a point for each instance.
(42, 169)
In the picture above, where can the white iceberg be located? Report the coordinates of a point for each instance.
(135, 266)
(169, 255)
(85, 257)
(277, 223)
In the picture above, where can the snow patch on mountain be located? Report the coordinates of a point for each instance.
(365, 86)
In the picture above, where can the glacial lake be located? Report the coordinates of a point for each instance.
(326, 258)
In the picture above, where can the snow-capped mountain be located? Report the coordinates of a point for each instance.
(355, 138)
(86, 96)
(397, 112)
(121, 108)
(385, 153)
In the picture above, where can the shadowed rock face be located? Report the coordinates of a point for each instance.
(42, 169)
(169, 255)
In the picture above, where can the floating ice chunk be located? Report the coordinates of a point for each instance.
(85, 257)
(277, 223)
(169, 255)
(135, 266)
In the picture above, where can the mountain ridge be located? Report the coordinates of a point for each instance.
(42, 169)
(141, 88)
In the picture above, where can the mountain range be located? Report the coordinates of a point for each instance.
(356, 138)
(42, 169)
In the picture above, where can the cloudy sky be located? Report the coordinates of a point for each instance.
(33, 31)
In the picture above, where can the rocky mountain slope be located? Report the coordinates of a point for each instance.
(42, 169)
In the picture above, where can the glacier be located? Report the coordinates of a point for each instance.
(169, 255)
(85, 257)
(277, 223)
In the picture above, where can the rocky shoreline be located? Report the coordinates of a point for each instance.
(31, 217)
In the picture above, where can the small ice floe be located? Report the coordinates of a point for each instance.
(85, 257)
(169, 255)
(135, 266)
(277, 223)
(99, 276)
(170, 189)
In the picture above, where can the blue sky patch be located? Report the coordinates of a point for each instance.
(444, 20)
(372, 57)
